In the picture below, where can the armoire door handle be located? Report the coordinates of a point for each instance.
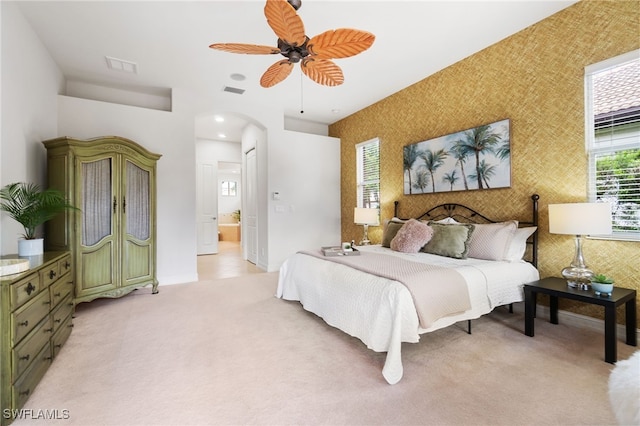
(124, 205)
(115, 203)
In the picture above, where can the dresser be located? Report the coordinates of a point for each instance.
(35, 321)
(112, 235)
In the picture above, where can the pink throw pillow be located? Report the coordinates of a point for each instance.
(412, 237)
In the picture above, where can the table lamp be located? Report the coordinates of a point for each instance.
(365, 217)
(579, 219)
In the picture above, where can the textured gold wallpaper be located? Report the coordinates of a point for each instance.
(536, 79)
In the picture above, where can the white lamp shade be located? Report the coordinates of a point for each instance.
(363, 216)
(580, 218)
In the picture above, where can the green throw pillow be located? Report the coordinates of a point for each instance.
(449, 240)
(390, 231)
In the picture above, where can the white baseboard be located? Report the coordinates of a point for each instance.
(577, 320)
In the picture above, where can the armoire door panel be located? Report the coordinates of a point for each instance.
(97, 271)
(138, 261)
(98, 200)
(137, 203)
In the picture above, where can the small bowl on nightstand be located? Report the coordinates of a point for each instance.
(602, 289)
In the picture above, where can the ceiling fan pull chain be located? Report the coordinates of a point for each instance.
(301, 94)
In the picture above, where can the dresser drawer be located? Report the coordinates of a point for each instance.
(26, 384)
(50, 274)
(25, 290)
(64, 265)
(61, 289)
(29, 315)
(62, 312)
(61, 336)
(25, 353)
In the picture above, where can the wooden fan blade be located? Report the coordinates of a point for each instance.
(276, 73)
(340, 43)
(252, 49)
(285, 22)
(322, 71)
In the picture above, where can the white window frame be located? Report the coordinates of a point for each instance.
(360, 182)
(592, 146)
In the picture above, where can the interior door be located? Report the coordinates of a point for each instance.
(250, 216)
(207, 210)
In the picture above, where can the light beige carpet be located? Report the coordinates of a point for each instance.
(228, 352)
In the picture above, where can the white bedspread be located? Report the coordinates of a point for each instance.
(379, 311)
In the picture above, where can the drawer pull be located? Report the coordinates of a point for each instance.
(59, 345)
(67, 265)
(57, 294)
(25, 358)
(26, 392)
(51, 274)
(48, 330)
(24, 323)
(58, 320)
(30, 289)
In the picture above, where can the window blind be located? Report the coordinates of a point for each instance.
(612, 96)
(368, 173)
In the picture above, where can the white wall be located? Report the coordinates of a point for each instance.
(305, 171)
(30, 85)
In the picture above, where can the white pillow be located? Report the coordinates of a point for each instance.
(491, 241)
(447, 221)
(518, 244)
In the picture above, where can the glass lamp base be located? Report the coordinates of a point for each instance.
(578, 277)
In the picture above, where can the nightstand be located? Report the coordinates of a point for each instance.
(557, 287)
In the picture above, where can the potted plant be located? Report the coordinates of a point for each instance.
(31, 206)
(602, 285)
(236, 215)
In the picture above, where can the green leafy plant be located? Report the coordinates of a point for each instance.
(31, 206)
(601, 278)
(236, 215)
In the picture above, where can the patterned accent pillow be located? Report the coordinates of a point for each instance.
(449, 240)
(411, 237)
(491, 241)
(391, 228)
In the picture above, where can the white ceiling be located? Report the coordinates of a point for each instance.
(168, 40)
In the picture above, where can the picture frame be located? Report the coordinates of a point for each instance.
(474, 159)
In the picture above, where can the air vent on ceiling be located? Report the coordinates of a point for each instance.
(121, 65)
(233, 90)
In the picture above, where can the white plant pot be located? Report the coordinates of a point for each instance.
(30, 247)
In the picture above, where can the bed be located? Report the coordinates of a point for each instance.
(392, 293)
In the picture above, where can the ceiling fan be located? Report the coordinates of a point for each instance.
(314, 54)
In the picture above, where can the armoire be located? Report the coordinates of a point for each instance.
(112, 235)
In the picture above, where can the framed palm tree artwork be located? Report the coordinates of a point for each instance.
(473, 159)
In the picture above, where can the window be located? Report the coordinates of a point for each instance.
(612, 93)
(368, 169)
(229, 188)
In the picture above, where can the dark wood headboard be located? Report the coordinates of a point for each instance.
(466, 214)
